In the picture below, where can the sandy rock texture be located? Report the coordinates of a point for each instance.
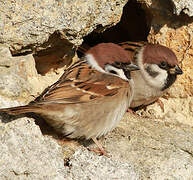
(26, 154)
(184, 6)
(53, 27)
(178, 7)
(138, 149)
(25, 25)
(20, 82)
(157, 149)
(87, 165)
(38, 40)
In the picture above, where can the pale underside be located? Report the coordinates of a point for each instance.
(144, 94)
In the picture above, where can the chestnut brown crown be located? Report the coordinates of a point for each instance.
(155, 54)
(109, 53)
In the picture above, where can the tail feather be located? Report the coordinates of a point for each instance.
(19, 110)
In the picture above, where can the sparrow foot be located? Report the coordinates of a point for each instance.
(161, 104)
(131, 111)
(100, 149)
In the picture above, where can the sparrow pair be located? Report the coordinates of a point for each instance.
(158, 71)
(92, 95)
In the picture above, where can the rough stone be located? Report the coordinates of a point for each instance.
(157, 145)
(158, 149)
(27, 25)
(175, 109)
(177, 6)
(87, 165)
(20, 82)
(139, 148)
(185, 6)
(26, 154)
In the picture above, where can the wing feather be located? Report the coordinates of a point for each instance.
(80, 83)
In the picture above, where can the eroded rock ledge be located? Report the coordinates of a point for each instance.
(38, 40)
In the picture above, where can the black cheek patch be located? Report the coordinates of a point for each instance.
(150, 72)
(127, 74)
(169, 81)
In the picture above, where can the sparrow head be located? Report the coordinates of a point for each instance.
(112, 59)
(158, 65)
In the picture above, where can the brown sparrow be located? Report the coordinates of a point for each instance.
(87, 102)
(158, 70)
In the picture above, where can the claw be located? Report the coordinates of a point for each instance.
(100, 149)
(132, 111)
(161, 104)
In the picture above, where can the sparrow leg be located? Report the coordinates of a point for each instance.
(132, 111)
(100, 150)
(161, 104)
(165, 97)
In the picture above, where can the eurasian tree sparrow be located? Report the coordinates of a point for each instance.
(158, 71)
(87, 101)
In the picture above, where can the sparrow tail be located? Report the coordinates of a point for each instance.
(19, 110)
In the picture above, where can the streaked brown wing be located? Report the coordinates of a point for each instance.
(132, 47)
(79, 84)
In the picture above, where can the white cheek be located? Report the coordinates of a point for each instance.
(91, 60)
(158, 81)
(161, 77)
(120, 72)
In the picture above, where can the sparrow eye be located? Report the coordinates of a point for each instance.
(163, 65)
(110, 69)
(113, 72)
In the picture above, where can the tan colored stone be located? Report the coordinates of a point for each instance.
(175, 110)
(30, 24)
(178, 6)
(19, 80)
(158, 147)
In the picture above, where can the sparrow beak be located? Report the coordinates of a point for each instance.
(132, 67)
(176, 70)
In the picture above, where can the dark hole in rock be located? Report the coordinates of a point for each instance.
(133, 26)
(23, 52)
(56, 53)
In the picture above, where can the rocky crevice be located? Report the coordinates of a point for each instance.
(36, 47)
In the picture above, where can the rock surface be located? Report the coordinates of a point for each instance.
(87, 165)
(184, 6)
(158, 149)
(177, 6)
(26, 154)
(20, 82)
(175, 109)
(154, 145)
(138, 148)
(26, 25)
